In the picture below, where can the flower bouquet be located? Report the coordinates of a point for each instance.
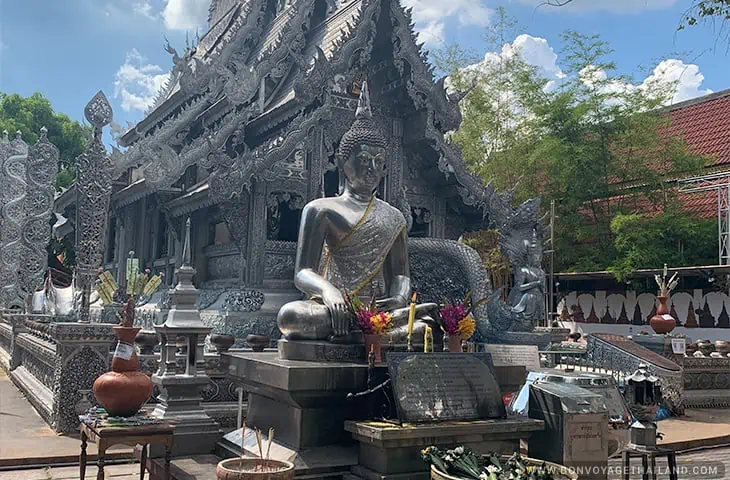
(457, 322)
(462, 463)
(373, 323)
(140, 286)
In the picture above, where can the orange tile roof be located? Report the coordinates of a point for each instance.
(704, 123)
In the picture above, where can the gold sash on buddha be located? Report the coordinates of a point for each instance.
(358, 259)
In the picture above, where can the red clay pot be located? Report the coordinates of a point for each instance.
(662, 322)
(455, 344)
(124, 390)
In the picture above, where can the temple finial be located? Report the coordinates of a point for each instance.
(187, 258)
(44, 133)
(364, 109)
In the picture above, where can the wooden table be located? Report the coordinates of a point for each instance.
(106, 437)
(648, 456)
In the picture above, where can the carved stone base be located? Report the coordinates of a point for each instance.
(305, 402)
(321, 352)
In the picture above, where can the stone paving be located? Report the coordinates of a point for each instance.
(698, 465)
(25, 438)
(113, 472)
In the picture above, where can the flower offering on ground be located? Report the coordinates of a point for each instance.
(463, 462)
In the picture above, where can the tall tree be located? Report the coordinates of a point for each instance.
(590, 140)
(29, 114)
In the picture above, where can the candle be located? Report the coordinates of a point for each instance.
(427, 340)
(412, 314)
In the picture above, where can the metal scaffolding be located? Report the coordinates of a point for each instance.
(720, 183)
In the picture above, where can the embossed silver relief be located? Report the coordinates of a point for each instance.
(13, 155)
(40, 177)
(13, 210)
(94, 187)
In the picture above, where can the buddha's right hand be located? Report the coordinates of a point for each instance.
(335, 302)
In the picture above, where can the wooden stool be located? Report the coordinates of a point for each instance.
(648, 455)
(106, 437)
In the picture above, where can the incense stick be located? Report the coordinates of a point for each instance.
(271, 440)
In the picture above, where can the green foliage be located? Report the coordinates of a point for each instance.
(671, 238)
(28, 115)
(591, 141)
(705, 10)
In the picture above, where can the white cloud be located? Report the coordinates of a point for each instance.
(679, 80)
(185, 14)
(137, 82)
(432, 33)
(143, 9)
(430, 15)
(686, 78)
(684, 81)
(613, 6)
(535, 51)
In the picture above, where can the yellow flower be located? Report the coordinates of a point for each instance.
(382, 323)
(467, 327)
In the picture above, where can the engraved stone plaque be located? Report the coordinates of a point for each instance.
(521, 355)
(436, 387)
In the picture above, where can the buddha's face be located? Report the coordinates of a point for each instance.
(365, 168)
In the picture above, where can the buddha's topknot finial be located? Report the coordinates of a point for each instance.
(363, 130)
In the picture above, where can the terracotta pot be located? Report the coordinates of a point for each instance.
(372, 344)
(258, 343)
(236, 469)
(662, 323)
(222, 343)
(124, 390)
(455, 344)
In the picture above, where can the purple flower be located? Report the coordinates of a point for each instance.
(451, 315)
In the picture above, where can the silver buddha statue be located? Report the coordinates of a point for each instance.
(354, 243)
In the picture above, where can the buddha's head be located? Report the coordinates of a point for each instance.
(361, 156)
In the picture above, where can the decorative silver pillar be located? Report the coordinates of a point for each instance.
(93, 189)
(13, 166)
(40, 189)
(181, 391)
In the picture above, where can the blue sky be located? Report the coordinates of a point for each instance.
(70, 49)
